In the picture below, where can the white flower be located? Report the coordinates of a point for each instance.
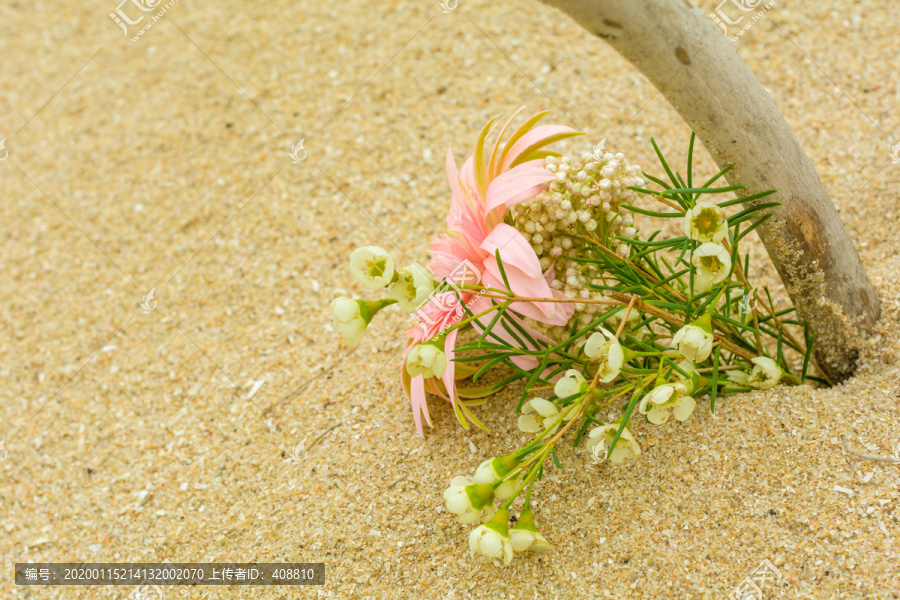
(466, 500)
(705, 223)
(348, 319)
(689, 367)
(537, 415)
(351, 317)
(525, 537)
(712, 263)
(693, 342)
(766, 374)
(664, 399)
(600, 438)
(495, 469)
(569, 385)
(427, 360)
(492, 538)
(604, 347)
(523, 540)
(372, 266)
(412, 288)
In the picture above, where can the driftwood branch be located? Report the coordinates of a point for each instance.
(702, 76)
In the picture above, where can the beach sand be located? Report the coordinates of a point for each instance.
(164, 164)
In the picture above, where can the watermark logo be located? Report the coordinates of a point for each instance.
(296, 158)
(723, 14)
(766, 575)
(748, 302)
(123, 19)
(147, 303)
(147, 592)
(4, 152)
(446, 299)
(3, 452)
(600, 149)
(895, 152)
(299, 453)
(448, 5)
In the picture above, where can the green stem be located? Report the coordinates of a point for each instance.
(468, 320)
(529, 479)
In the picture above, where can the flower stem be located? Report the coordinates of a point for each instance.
(529, 479)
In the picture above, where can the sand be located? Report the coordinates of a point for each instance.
(163, 164)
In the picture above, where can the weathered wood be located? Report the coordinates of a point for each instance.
(702, 76)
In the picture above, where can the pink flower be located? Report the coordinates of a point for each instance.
(481, 193)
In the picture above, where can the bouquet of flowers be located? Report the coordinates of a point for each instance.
(544, 279)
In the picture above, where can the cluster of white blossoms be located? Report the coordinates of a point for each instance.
(572, 385)
(584, 200)
(473, 498)
(497, 541)
(673, 397)
(409, 287)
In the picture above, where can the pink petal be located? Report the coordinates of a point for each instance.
(515, 251)
(416, 392)
(457, 198)
(516, 185)
(467, 176)
(419, 403)
(522, 286)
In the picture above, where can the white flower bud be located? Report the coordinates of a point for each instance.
(492, 538)
(693, 342)
(348, 320)
(571, 384)
(412, 288)
(427, 360)
(495, 469)
(525, 537)
(466, 500)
